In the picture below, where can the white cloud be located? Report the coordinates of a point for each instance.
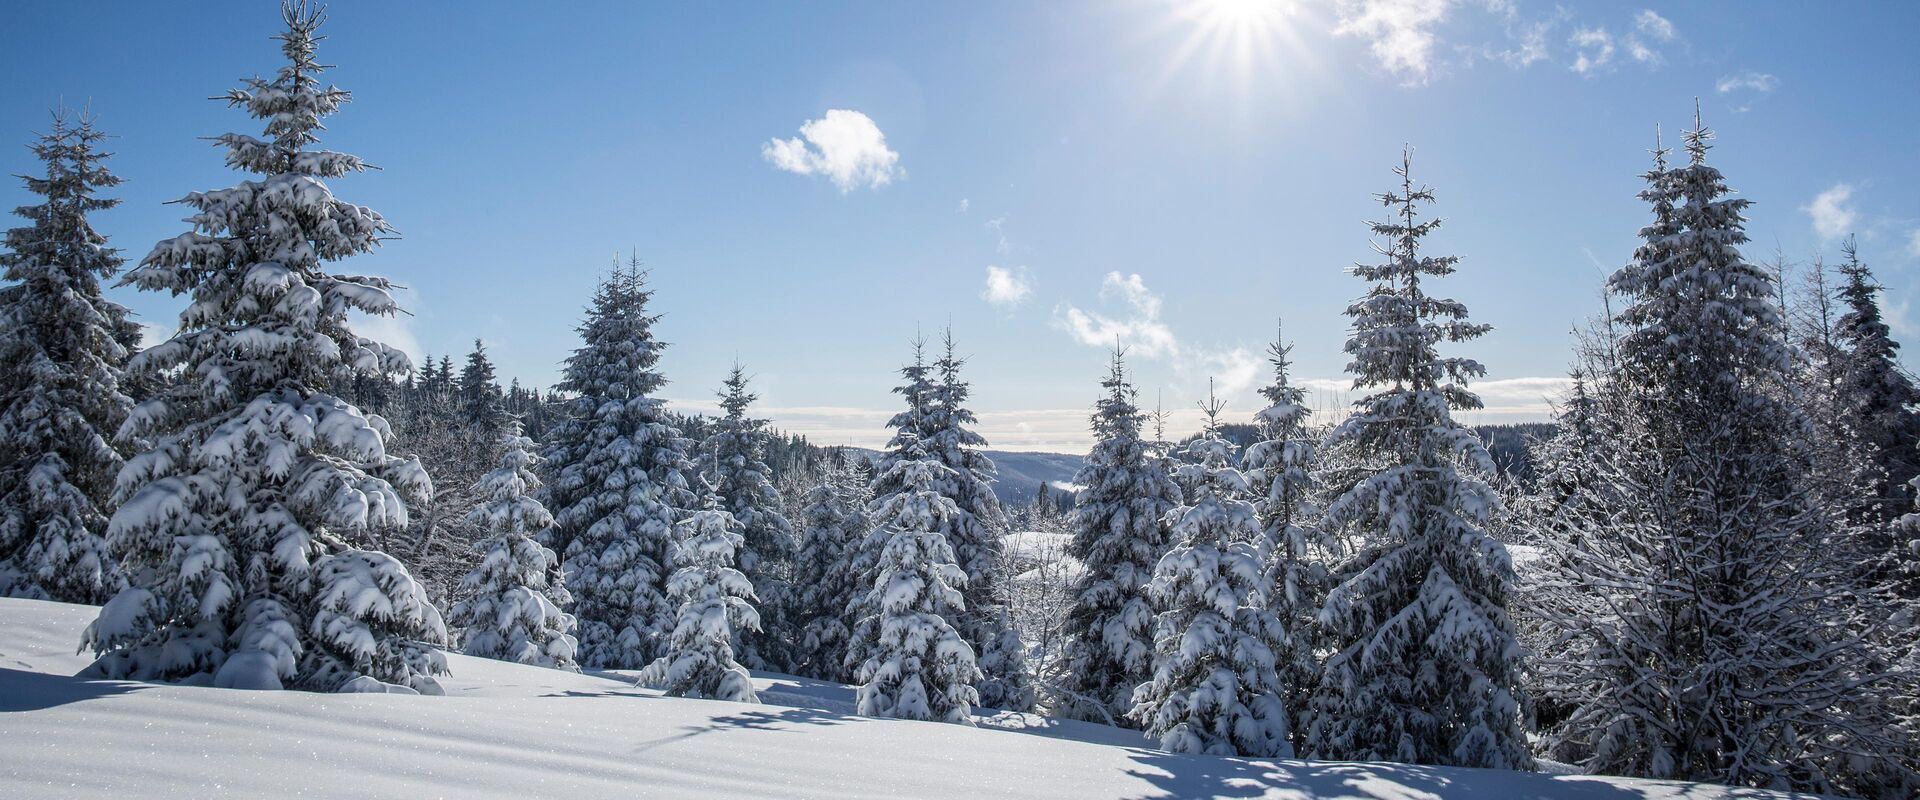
(1405, 36)
(1140, 331)
(844, 145)
(1913, 243)
(1649, 27)
(1749, 80)
(1747, 83)
(1527, 40)
(1593, 49)
(1642, 53)
(1233, 371)
(1007, 288)
(1654, 26)
(1517, 398)
(1399, 33)
(964, 205)
(1530, 45)
(1831, 214)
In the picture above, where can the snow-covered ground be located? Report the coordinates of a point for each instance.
(511, 731)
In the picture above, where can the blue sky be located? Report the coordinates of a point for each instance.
(1180, 174)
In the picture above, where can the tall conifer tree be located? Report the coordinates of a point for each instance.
(734, 461)
(617, 479)
(1700, 605)
(1425, 667)
(976, 535)
(1279, 470)
(1120, 531)
(914, 663)
(241, 526)
(63, 347)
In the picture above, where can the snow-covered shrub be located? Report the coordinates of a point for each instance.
(512, 608)
(715, 607)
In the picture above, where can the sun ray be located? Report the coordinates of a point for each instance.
(1249, 47)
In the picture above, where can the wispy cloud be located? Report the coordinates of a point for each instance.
(1649, 30)
(1143, 333)
(1831, 213)
(1744, 86)
(1399, 33)
(845, 146)
(1593, 50)
(1913, 243)
(1140, 329)
(1409, 37)
(1653, 26)
(998, 226)
(964, 205)
(1527, 43)
(1007, 288)
(1748, 80)
(1232, 370)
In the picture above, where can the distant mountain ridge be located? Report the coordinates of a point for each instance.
(1020, 473)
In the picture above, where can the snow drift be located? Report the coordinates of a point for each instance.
(507, 730)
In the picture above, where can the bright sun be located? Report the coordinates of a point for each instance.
(1241, 14)
(1234, 39)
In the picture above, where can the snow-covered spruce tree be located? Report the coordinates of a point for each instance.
(617, 480)
(909, 424)
(1876, 397)
(863, 558)
(1279, 470)
(1425, 667)
(1120, 532)
(916, 664)
(977, 536)
(239, 527)
(482, 407)
(733, 459)
(1563, 463)
(1703, 614)
(512, 608)
(62, 350)
(835, 523)
(715, 604)
(1845, 476)
(1215, 687)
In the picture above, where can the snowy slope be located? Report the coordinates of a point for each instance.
(512, 731)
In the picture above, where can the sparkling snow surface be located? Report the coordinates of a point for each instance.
(505, 730)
